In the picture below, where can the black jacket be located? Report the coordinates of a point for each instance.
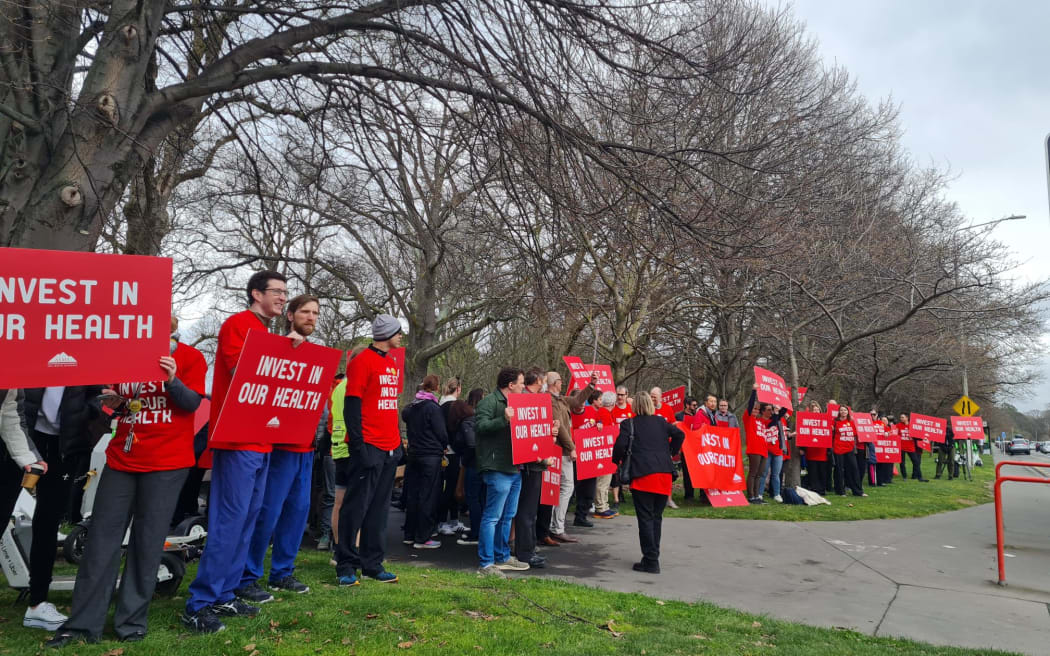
(655, 442)
(425, 424)
(80, 417)
(466, 443)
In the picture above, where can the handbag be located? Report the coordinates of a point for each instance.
(625, 464)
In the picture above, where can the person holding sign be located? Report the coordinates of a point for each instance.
(146, 461)
(373, 382)
(427, 441)
(564, 409)
(844, 447)
(238, 475)
(817, 461)
(652, 442)
(528, 515)
(286, 501)
(760, 430)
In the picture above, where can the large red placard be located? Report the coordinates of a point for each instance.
(813, 429)
(594, 447)
(71, 318)
(928, 428)
(712, 454)
(551, 488)
(725, 498)
(674, 399)
(531, 428)
(968, 428)
(867, 429)
(577, 371)
(278, 391)
(888, 447)
(772, 389)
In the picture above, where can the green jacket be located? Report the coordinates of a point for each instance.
(492, 431)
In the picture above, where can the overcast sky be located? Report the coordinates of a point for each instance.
(971, 80)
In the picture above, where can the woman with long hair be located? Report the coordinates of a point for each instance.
(461, 431)
(844, 446)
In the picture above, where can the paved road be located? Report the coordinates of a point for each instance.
(931, 579)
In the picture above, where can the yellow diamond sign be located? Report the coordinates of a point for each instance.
(965, 407)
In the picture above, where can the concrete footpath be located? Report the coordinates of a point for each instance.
(931, 579)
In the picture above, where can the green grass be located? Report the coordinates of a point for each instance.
(903, 498)
(442, 612)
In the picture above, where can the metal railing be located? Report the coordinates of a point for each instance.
(999, 480)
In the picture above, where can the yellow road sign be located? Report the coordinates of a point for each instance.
(965, 407)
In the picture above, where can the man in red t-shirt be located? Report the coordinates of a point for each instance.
(286, 502)
(662, 409)
(238, 475)
(146, 461)
(373, 383)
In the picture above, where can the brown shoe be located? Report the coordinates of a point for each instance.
(562, 537)
(550, 542)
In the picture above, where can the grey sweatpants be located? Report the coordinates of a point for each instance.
(148, 499)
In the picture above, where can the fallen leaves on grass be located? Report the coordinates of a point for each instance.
(611, 628)
(405, 645)
(249, 647)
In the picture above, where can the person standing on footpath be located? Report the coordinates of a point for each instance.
(427, 441)
(527, 517)
(373, 382)
(149, 456)
(238, 474)
(585, 416)
(652, 442)
(286, 501)
(564, 409)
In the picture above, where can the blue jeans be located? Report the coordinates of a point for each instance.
(501, 504)
(773, 466)
(472, 489)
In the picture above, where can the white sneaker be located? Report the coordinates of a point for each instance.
(459, 527)
(671, 504)
(44, 616)
(778, 499)
(445, 529)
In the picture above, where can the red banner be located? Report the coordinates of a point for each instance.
(772, 389)
(813, 429)
(71, 318)
(531, 429)
(724, 499)
(968, 428)
(594, 447)
(888, 447)
(712, 454)
(277, 393)
(398, 356)
(927, 428)
(867, 429)
(551, 488)
(674, 399)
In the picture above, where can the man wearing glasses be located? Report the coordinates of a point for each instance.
(238, 475)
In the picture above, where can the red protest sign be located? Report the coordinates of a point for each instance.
(577, 371)
(771, 388)
(712, 454)
(724, 499)
(551, 488)
(398, 356)
(605, 379)
(833, 410)
(924, 444)
(531, 428)
(968, 428)
(813, 429)
(70, 318)
(594, 447)
(200, 417)
(277, 393)
(674, 399)
(888, 447)
(927, 428)
(801, 393)
(867, 429)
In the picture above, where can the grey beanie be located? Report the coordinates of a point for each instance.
(384, 327)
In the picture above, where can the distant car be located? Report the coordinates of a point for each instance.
(1018, 445)
(1043, 447)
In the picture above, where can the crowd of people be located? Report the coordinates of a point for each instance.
(457, 463)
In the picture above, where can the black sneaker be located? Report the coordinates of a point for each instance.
(203, 621)
(584, 523)
(254, 593)
(64, 637)
(236, 608)
(291, 584)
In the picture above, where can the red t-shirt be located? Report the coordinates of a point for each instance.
(755, 430)
(907, 444)
(816, 453)
(844, 437)
(619, 414)
(375, 379)
(231, 341)
(665, 411)
(656, 483)
(588, 417)
(605, 417)
(163, 437)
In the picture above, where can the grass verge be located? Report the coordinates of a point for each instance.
(442, 612)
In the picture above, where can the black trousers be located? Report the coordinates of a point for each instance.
(649, 509)
(543, 522)
(52, 500)
(884, 472)
(423, 477)
(846, 475)
(916, 464)
(189, 496)
(818, 476)
(687, 484)
(585, 491)
(525, 520)
(448, 507)
(122, 497)
(366, 506)
(904, 464)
